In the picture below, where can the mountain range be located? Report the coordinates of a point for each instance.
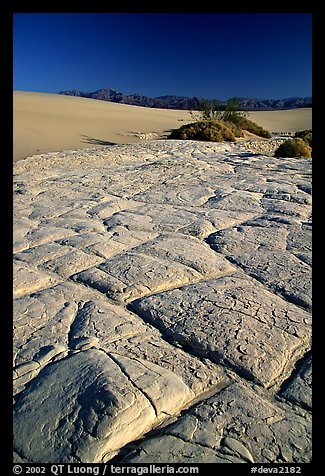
(189, 103)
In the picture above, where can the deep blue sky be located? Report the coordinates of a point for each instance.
(213, 55)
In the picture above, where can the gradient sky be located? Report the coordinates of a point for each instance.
(211, 55)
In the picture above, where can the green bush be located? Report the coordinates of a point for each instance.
(214, 109)
(293, 148)
(305, 135)
(232, 111)
(208, 130)
(254, 128)
(219, 123)
(234, 129)
(250, 126)
(210, 110)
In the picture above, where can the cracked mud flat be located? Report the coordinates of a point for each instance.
(162, 305)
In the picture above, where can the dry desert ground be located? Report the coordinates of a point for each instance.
(162, 291)
(50, 122)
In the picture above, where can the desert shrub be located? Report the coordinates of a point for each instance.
(232, 111)
(293, 148)
(208, 130)
(305, 135)
(219, 123)
(214, 109)
(234, 129)
(210, 109)
(250, 126)
(254, 128)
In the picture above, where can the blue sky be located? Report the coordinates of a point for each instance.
(211, 55)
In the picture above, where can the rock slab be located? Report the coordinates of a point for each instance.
(162, 305)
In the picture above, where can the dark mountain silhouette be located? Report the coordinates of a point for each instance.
(188, 103)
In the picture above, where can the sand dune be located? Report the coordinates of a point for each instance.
(50, 122)
(289, 120)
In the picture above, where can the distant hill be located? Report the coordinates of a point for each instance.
(274, 104)
(188, 103)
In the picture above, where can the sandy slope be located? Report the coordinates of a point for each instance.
(50, 122)
(290, 120)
